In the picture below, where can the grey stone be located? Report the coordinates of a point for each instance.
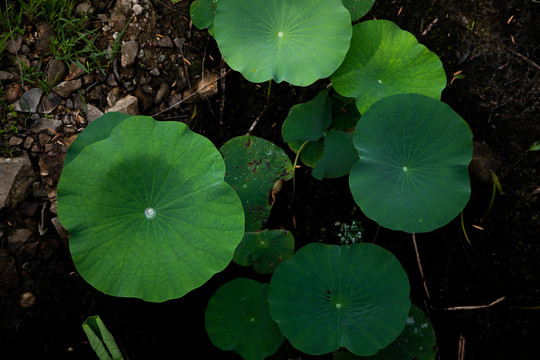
(25, 49)
(179, 43)
(83, 8)
(65, 88)
(17, 177)
(6, 75)
(29, 142)
(15, 141)
(129, 53)
(137, 9)
(69, 104)
(92, 113)
(14, 45)
(161, 93)
(29, 101)
(45, 36)
(18, 238)
(44, 124)
(56, 71)
(111, 80)
(127, 105)
(78, 103)
(154, 72)
(49, 103)
(165, 42)
(113, 96)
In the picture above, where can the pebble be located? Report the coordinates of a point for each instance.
(28, 142)
(49, 103)
(111, 80)
(127, 105)
(6, 75)
(129, 53)
(13, 92)
(44, 139)
(14, 45)
(29, 101)
(44, 124)
(56, 71)
(15, 141)
(154, 72)
(161, 93)
(27, 300)
(165, 42)
(92, 113)
(137, 9)
(44, 38)
(69, 104)
(65, 88)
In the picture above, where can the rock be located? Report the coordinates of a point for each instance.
(14, 45)
(44, 139)
(29, 101)
(56, 71)
(76, 69)
(137, 9)
(207, 86)
(65, 88)
(127, 105)
(78, 103)
(9, 278)
(18, 238)
(129, 53)
(27, 300)
(111, 80)
(179, 43)
(6, 75)
(92, 113)
(83, 8)
(49, 103)
(15, 141)
(174, 99)
(13, 92)
(29, 142)
(17, 177)
(113, 96)
(87, 79)
(155, 72)
(165, 42)
(161, 93)
(45, 36)
(44, 124)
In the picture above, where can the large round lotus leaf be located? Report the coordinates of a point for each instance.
(253, 167)
(97, 130)
(358, 8)
(149, 213)
(265, 250)
(414, 153)
(297, 41)
(328, 296)
(338, 158)
(416, 342)
(384, 60)
(237, 318)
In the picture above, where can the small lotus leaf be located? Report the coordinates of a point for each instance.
(311, 153)
(101, 339)
(149, 213)
(328, 296)
(358, 8)
(265, 250)
(297, 41)
(202, 13)
(384, 60)
(237, 318)
(253, 166)
(417, 341)
(338, 158)
(308, 121)
(413, 169)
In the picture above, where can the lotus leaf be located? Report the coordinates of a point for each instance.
(237, 318)
(327, 296)
(265, 250)
(149, 213)
(253, 167)
(297, 41)
(413, 169)
(384, 60)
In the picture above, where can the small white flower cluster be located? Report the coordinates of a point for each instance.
(350, 234)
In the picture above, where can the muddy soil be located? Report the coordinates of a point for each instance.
(491, 54)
